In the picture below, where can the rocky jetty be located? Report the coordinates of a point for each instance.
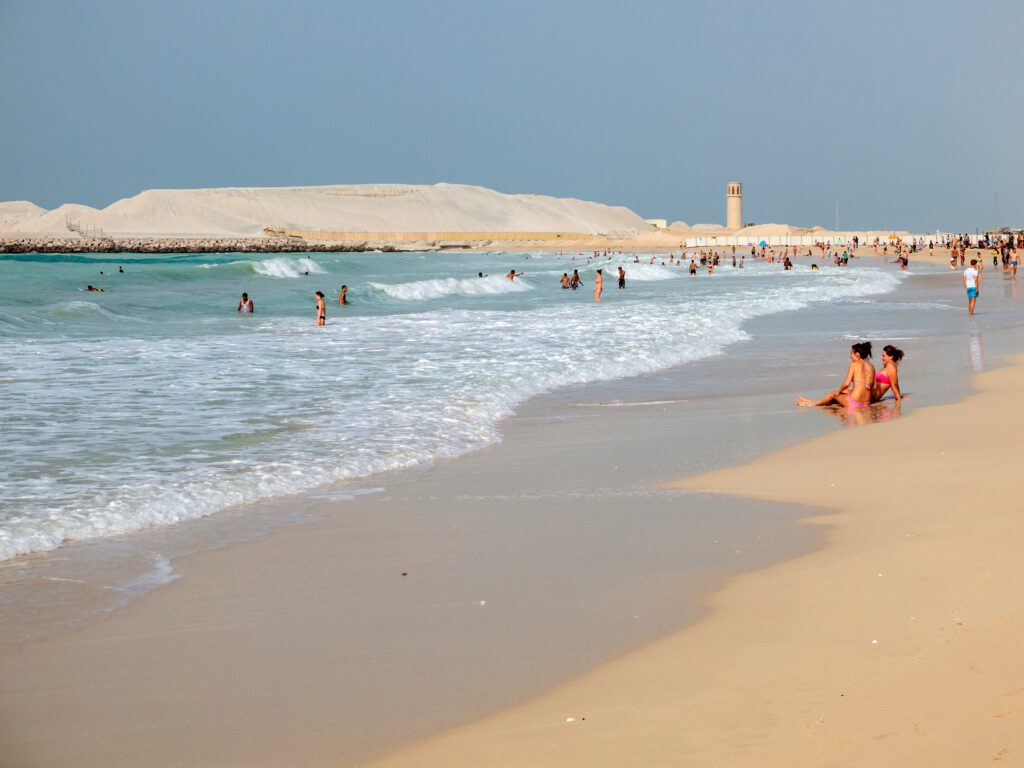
(50, 244)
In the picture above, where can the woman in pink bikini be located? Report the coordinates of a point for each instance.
(856, 389)
(888, 378)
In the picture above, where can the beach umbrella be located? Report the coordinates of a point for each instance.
(762, 243)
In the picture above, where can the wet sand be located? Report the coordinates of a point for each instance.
(896, 644)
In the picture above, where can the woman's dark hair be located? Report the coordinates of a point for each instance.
(893, 352)
(862, 348)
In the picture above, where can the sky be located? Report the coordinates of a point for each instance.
(905, 115)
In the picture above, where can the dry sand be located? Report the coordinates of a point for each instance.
(351, 207)
(897, 644)
(376, 215)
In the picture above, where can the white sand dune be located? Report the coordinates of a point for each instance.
(16, 210)
(766, 230)
(353, 208)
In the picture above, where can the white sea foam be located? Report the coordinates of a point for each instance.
(285, 267)
(422, 290)
(645, 273)
(161, 573)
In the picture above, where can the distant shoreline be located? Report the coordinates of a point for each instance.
(363, 242)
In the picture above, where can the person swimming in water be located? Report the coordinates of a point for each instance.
(93, 289)
(321, 309)
(512, 275)
(245, 306)
(856, 389)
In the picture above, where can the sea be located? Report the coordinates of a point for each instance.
(155, 402)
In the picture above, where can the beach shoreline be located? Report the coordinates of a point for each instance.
(654, 242)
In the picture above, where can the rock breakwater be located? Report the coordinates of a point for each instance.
(23, 244)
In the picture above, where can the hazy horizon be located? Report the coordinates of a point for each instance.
(898, 114)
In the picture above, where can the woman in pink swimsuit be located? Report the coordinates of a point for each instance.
(856, 389)
(888, 378)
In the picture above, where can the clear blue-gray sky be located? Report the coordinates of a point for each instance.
(906, 114)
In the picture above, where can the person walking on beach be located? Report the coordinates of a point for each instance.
(321, 309)
(343, 295)
(598, 285)
(972, 282)
(622, 277)
(245, 306)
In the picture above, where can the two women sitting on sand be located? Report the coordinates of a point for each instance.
(862, 385)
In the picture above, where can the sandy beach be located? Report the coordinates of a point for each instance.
(898, 643)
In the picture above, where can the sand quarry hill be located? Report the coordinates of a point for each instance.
(352, 208)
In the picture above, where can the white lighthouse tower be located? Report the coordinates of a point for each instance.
(733, 205)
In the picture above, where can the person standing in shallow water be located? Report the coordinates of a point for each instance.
(972, 282)
(622, 277)
(598, 285)
(343, 295)
(321, 309)
(245, 306)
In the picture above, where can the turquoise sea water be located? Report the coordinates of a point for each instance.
(155, 402)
